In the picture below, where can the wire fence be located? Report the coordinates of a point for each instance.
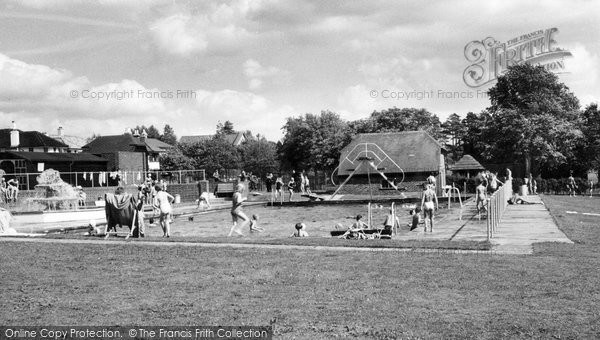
(496, 206)
(92, 179)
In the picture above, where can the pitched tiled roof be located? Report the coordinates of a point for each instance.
(124, 142)
(412, 151)
(467, 162)
(234, 139)
(29, 139)
(194, 139)
(73, 142)
(56, 156)
(157, 145)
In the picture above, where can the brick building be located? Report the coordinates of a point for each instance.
(129, 152)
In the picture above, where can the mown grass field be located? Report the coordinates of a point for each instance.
(310, 294)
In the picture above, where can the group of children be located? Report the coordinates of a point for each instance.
(9, 190)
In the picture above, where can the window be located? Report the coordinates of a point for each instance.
(30, 149)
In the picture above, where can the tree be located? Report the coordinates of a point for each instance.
(175, 159)
(259, 156)
(225, 128)
(212, 154)
(168, 135)
(314, 141)
(588, 155)
(533, 117)
(454, 130)
(398, 120)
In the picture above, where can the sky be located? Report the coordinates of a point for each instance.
(99, 67)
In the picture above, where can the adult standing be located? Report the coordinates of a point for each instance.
(571, 185)
(269, 182)
(427, 205)
(237, 212)
(162, 202)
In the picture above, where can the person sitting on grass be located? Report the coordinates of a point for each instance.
(416, 218)
(300, 230)
(93, 230)
(356, 230)
(254, 224)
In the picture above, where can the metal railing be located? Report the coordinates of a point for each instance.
(496, 206)
(92, 179)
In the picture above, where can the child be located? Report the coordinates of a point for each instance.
(203, 199)
(359, 224)
(96, 231)
(254, 224)
(300, 232)
(416, 218)
(291, 185)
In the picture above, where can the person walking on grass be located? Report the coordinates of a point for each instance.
(571, 185)
(236, 211)
(162, 202)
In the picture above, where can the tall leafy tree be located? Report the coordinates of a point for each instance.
(259, 156)
(168, 135)
(534, 117)
(225, 128)
(398, 120)
(454, 131)
(314, 141)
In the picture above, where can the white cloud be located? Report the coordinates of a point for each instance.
(218, 30)
(257, 74)
(583, 74)
(177, 35)
(246, 110)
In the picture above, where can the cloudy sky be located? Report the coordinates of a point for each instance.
(192, 64)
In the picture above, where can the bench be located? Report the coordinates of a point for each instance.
(225, 189)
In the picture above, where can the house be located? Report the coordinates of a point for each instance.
(235, 139)
(25, 166)
(129, 151)
(405, 158)
(467, 166)
(24, 154)
(74, 143)
(29, 141)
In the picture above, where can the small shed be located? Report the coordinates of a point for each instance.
(467, 166)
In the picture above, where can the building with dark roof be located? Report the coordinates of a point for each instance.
(130, 152)
(406, 158)
(467, 166)
(25, 166)
(74, 143)
(29, 141)
(235, 139)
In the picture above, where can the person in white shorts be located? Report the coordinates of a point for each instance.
(427, 205)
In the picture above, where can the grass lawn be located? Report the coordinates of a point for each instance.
(309, 294)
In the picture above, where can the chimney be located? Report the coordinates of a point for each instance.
(144, 135)
(14, 136)
(136, 133)
(60, 131)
